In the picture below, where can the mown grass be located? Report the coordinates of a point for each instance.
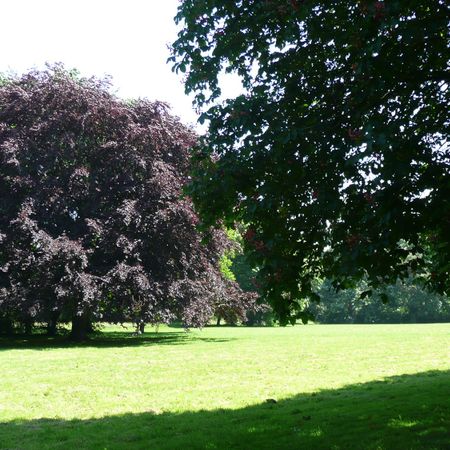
(335, 387)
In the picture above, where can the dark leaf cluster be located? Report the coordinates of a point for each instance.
(337, 154)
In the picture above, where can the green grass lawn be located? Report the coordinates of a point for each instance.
(335, 387)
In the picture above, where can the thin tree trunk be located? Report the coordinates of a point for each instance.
(52, 324)
(218, 321)
(51, 328)
(142, 327)
(28, 326)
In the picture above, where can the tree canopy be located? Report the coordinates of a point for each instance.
(336, 156)
(93, 225)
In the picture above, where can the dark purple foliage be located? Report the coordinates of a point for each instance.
(92, 219)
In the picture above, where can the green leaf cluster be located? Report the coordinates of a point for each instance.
(338, 150)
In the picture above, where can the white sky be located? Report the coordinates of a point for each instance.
(125, 39)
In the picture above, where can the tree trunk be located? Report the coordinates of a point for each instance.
(142, 327)
(51, 328)
(218, 321)
(80, 328)
(52, 324)
(28, 326)
(6, 326)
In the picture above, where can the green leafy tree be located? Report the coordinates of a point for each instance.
(337, 154)
(235, 266)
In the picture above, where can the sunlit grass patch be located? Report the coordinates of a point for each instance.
(343, 387)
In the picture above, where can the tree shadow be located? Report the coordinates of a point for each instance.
(401, 412)
(107, 339)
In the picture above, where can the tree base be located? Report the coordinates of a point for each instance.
(80, 328)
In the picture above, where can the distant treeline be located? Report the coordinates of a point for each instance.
(404, 302)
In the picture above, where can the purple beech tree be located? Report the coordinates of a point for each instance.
(93, 224)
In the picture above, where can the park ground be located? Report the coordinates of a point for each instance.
(315, 386)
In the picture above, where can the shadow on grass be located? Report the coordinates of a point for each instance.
(107, 339)
(401, 412)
